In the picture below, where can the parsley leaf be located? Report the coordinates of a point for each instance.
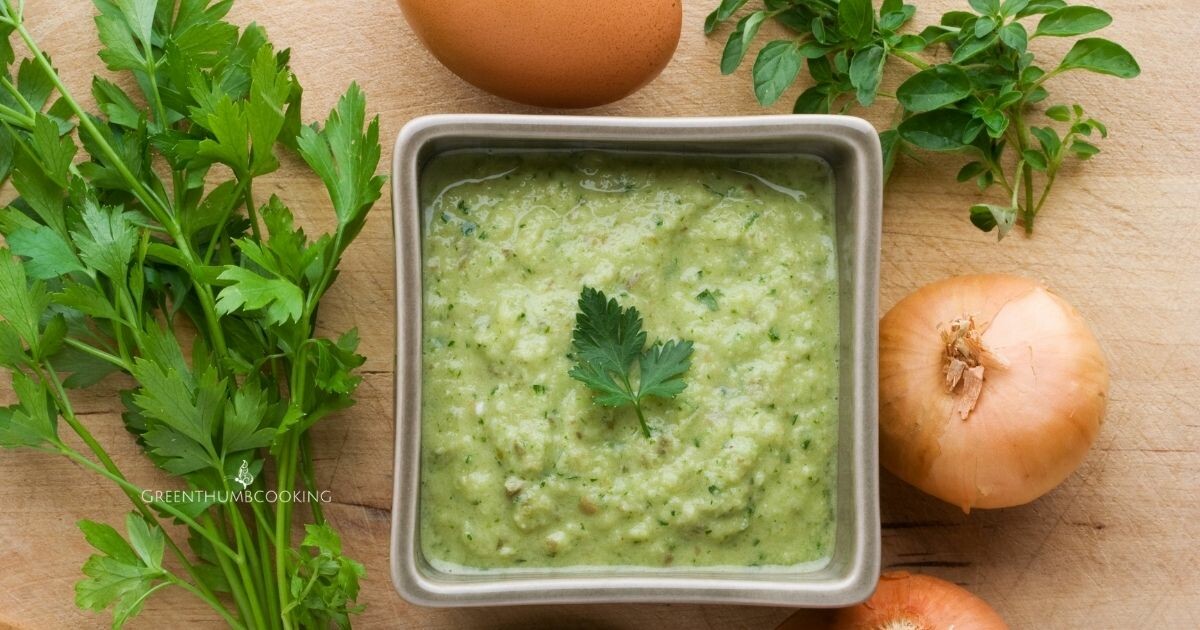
(47, 254)
(125, 30)
(6, 154)
(345, 158)
(146, 253)
(32, 421)
(52, 150)
(244, 416)
(180, 408)
(124, 574)
(86, 299)
(708, 298)
(280, 300)
(21, 303)
(607, 337)
(607, 340)
(107, 240)
(325, 580)
(661, 367)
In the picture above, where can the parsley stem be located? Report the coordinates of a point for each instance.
(178, 181)
(155, 97)
(262, 523)
(68, 413)
(283, 524)
(251, 210)
(247, 193)
(98, 353)
(133, 318)
(637, 406)
(16, 117)
(19, 98)
(249, 568)
(220, 229)
(166, 575)
(231, 577)
(304, 593)
(199, 587)
(188, 566)
(195, 575)
(137, 491)
(110, 470)
(250, 572)
(266, 568)
(318, 290)
(153, 204)
(10, 15)
(208, 598)
(151, 201)
(309, 474)
(207, 304)
(297, 384)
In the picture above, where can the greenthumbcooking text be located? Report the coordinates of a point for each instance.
(236, 496)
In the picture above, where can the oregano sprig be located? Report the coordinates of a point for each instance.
(982, 102)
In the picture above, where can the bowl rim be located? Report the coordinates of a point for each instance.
(753, 586)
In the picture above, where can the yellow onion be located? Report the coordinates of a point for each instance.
(905, 601)
(991, 390)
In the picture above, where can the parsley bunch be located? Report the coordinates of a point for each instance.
(980, 102)
(137, 246)
(608, 340)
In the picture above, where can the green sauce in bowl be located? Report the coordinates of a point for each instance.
(519, 468)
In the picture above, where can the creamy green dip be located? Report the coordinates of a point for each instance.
(520, 469)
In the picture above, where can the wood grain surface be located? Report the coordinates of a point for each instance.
(1113, 547)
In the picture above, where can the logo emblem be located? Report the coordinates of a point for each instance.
(244, 476)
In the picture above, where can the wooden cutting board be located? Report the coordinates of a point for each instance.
(1113, 547)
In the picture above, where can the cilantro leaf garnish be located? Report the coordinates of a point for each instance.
(608, 340)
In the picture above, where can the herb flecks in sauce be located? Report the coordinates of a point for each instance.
(515, 475)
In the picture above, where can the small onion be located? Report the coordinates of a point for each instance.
(991, 390)
(905, 601)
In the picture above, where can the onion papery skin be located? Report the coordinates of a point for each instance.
(906, 601)
(1033, 421)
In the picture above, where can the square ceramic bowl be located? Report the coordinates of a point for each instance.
(851, 148)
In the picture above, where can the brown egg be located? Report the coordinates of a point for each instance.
(552, 53)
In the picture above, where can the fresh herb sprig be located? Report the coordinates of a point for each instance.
(981, 102)
(608, 340)
(147, 253)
